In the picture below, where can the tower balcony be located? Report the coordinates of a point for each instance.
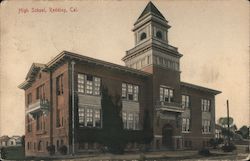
(37, 107)
(169, 106)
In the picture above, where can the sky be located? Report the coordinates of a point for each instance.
(213, 37)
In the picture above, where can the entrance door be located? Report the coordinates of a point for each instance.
(167, 132)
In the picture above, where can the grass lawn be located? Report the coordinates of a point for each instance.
(15, 153)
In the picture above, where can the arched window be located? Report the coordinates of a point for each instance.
(143, 36)
(159, 34)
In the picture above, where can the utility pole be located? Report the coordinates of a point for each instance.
(228, 129)
(73, 108)
(249, 139)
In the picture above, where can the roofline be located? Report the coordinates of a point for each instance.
(200, 88)
(76, 56)
(66, 54)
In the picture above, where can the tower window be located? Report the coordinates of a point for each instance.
(143, 36)
(159, 34)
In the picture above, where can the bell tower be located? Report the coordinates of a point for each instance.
(151, 43)
(151, 24)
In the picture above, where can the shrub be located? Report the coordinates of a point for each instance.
(3, 153)
(204, 152)
(214, 142)
(228, 148)
(247, 149)
(51, 149)
(63, 150)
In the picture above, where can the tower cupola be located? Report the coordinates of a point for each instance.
(151, 43)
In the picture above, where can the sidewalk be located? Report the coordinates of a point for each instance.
(169, 155)
(163, 155)
(149, 156)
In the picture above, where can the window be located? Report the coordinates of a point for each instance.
(97, 118)
(138, 65)
(206, 126)
(160, 60)
(176, 66)
(29, 99)
(39, 148)
(81, 115)
(136, 121)
(155, 59)
(124, 90)
(57, 144)
(185, 101)
(81, 83)
(166, 94)
(143, 36)
(185, 124)
(88, 84)
(149, 59)
(59, 117)
(124, 118)
(29, 124)
(90, 117)
(205, 105)
(130, 92)
(42, 122)
(40, 92)
(159, 34)
(59, 85)
(130, 120)
(97, 83)
(39, 122)
(143, 62)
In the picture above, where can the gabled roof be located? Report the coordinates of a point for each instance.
(30, 77)
(33, 69)
(196, 87)
(151, 9)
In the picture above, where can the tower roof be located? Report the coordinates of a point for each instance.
(150, 8)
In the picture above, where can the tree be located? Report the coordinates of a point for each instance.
(223, 122)
(244, 132)
(147, 130)
(224, 130)
(112, 135)
(23, 141)
(3, 153)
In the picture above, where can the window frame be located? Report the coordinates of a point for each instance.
(186, 125)
(130, 92)
(89, 84)
(166, 94)
(185, 101)
(205, 105)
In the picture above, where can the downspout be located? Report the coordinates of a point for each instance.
(73, 107)
(51, 107)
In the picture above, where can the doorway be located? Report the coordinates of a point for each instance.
(167, 133)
